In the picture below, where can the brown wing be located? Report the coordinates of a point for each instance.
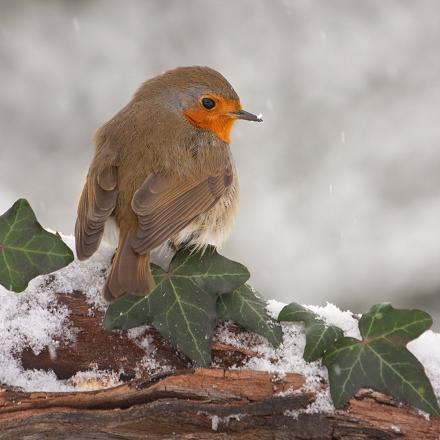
(97, 202)
(164, 209)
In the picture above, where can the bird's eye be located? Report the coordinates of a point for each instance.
(208, 103)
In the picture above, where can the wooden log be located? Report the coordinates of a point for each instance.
(214, 403)
(95, 347)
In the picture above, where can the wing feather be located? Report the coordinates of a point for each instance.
(97, 202)
(164, 209)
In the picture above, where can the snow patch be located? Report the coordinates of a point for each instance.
(216, 420)
(322, 405)
(30, 320)
(149, 362)
(395, 428)
(274, 308)
(35, 320)
(94, 380)
(85, 276)
(345, 320)
(426, 348)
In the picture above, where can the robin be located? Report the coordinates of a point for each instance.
(163, 171)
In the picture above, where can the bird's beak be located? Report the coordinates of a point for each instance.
(242, 114)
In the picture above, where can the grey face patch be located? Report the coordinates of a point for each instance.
(178, 100)
(189, 98)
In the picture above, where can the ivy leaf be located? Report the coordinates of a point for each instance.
(319, 335)
(26, 249)
(209, 270)
(381, 360)
(127, 312)
(247, 308)
(184, 314)
(183, 304)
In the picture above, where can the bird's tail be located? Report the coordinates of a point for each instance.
(130, 272)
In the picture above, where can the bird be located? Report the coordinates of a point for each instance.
(163, 172)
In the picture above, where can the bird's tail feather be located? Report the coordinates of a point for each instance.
(130, 272)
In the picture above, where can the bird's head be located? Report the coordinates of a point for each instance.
(204, 98)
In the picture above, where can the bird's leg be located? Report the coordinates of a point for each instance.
(174, 246)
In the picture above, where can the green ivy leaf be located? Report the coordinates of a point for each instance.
(183, 304)
(127, 312)
(319, 335)
(209, 270)
(381, 360)
(184, 314)
(247, 308)
(26, 249)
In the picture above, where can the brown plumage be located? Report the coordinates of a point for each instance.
(164, 171)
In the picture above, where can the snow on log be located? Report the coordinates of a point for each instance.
(64, 376)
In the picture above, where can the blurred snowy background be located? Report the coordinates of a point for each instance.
(340, 185)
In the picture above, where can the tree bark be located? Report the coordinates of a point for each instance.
(214, 403)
